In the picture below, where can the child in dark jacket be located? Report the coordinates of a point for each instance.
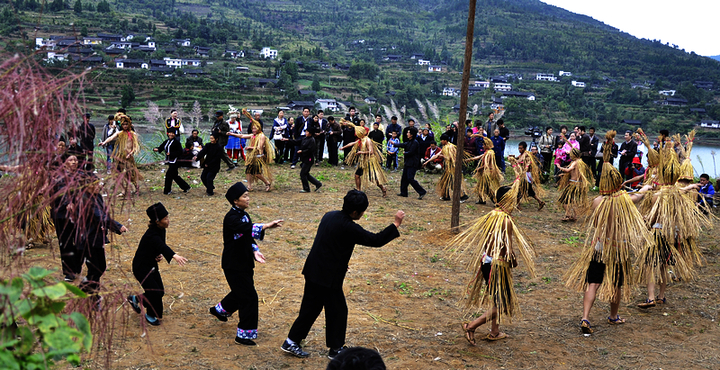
(212, 152)
(151, 250)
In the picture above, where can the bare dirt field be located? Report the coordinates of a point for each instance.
(404, 300)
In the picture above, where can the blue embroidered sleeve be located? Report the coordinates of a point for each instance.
(258, 232)
(255, 247)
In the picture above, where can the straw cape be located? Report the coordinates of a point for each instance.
(615, 230)
(260, 156)
(528, 171)
(127, 146)
(367, 156)
(651, 176)
(574, 192)
(487, 174)
(444, 186)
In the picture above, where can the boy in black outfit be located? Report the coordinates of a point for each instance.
(307, 151)
(151, 250)
(238, 263)
(173, 150)
(212, 152)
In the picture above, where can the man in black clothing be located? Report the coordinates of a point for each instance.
(212, 153)
(86, 138)
(348, 136)
(173, 150)
(594, 142)
(411, 125)
(192, 139)
(377, 135)
(334, 135)
(627, 152)
(393, 126)
(412, 164)
(307, 152)
(504, 131)
(302, 123)
(320, 137)
(222, 127)
(586, 153)
(352, 117)
(325, 269)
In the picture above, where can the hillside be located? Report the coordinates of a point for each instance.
(375, 40)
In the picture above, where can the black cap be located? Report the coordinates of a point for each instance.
(156, 212)
(218, 113)
(87, 115)
(235, 192)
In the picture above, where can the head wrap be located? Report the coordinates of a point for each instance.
(156, 212)
(235, 192)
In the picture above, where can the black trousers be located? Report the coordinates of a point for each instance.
(172, 175)
(332, 146)
(623, 165)
(547, 161)
(320, 140)
(391, 162)
(152, 283)
(207, 177)
(295, 155)
(70, 257)
(226, 157)
(242, 298)
(279, 151)
(287, 154)
(305, 175)
(96, 266)
(408, 178)
(591, 163)
(315, 298)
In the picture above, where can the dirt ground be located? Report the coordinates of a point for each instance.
(404, 300)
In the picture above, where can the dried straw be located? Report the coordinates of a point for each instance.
(487, 174)
(445, 184)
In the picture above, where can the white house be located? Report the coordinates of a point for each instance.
(174, 63)
(500, 86)
(578, 83)
(423, 62)
(667, 92)
(565, 74)
(57, 56)
(92, 41)
(327, 104)
(434, 68)
(450, 91)
(190, 62)
(710, 124)
(268, 53)
(483, 84)
(545, 77)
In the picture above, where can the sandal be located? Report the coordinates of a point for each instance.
(268, 187)
(541, 205)
(499, 336)
(616, 321)
(585, 327)
(647, 304)
(469, 334)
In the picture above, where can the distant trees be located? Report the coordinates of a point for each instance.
(127, 95)
(315, 83)
(365, 70)
(78, 7)
(103, 7)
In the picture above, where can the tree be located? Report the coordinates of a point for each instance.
(103, 7)
(57, 5)
(78, 7)
(152, 113)
(84, 31)
(316, 83)
(196, 114)
(127, 95)
(291, 69)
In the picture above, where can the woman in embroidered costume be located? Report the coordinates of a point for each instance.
(574, 185)
(487, 174)
(261, 153)
(368, 158)
(448, 154)
(491, 246)
(615, 230)
(528, 171)
(675, 222)
(127, 146)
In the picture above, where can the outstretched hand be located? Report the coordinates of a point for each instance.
(273, 224)
(399, 216)
(180, 259)
(259, 257)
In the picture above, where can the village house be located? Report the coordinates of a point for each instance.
(633, 122)
(674, 102)
(173, 62)
(182, 42)
(518, 94)
(268, 53)
(483, 84)
(706, 123)
(435, 68)
(202, 51)
(545, 77)
(667, 92)
(370, 100)
(417, 56)
(502, 86)
(327, 104)
(130, 64)
(92, 41)
(450, 91)
(423, 62)
(565, 74)
(706, 85)
(234, 54)
(301, 104)
(578, 83)
(190, 62)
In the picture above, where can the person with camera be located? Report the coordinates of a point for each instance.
(545, 144)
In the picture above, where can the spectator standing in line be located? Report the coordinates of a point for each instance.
(393, 126)
(234, 145)
(627, 152)
(109, 130)
(391, 162)
(256, 116)
(411, 124)
(490, 125)
(334, 136)
(173, 123)
(377, 135)
(423, 139)
(289, 144)
(561, 138)
(499, 147)
(280, 136)
(86, 139)
(352, 116)
(594, 142)
(320, 137)
(546, 148)
(348, 136)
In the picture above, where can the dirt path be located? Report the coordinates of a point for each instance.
(405, 299)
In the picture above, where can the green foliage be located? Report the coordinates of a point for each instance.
(315, 83)
(78, 8)
(365, 70)
(47, 335)
(103, 7)
(127, 95)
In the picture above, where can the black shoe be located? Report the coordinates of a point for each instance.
(214, 312)
(168, 193)
(231, 168)
(445, 199)
(334, 352)
(421, 196)
(318, 187)
(464, 197)
(186, 190)
(480, 202)
(245, 342)
(132, 299)
(210, 193)
(294, 349)
(402, 195)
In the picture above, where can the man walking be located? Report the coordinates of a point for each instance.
(222, 127)
(412, 164)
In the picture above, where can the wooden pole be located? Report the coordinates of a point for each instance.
(457, 184)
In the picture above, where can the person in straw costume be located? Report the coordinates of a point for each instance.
(675, 222)
(127, 146)
(487, 174)
(368, 157)
(491, 245)
(650, 176)
(530, 187)
(448, 154)
(615, 229)
(261, 153)
(574, 185)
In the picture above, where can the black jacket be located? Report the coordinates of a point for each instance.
(222, 127)
(308, 149)
(86, 136)
(172, 148)
(412, 153)
(631, 150)
(96, 221)
(403, 137)
(300, 124)
(190, 142)
(239, 235)
(152, 244)
(585, 146)
(377, 136)
(334, 243)
(213, 154)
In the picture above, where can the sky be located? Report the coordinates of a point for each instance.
(690, 24)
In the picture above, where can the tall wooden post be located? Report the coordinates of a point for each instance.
(457, 184)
